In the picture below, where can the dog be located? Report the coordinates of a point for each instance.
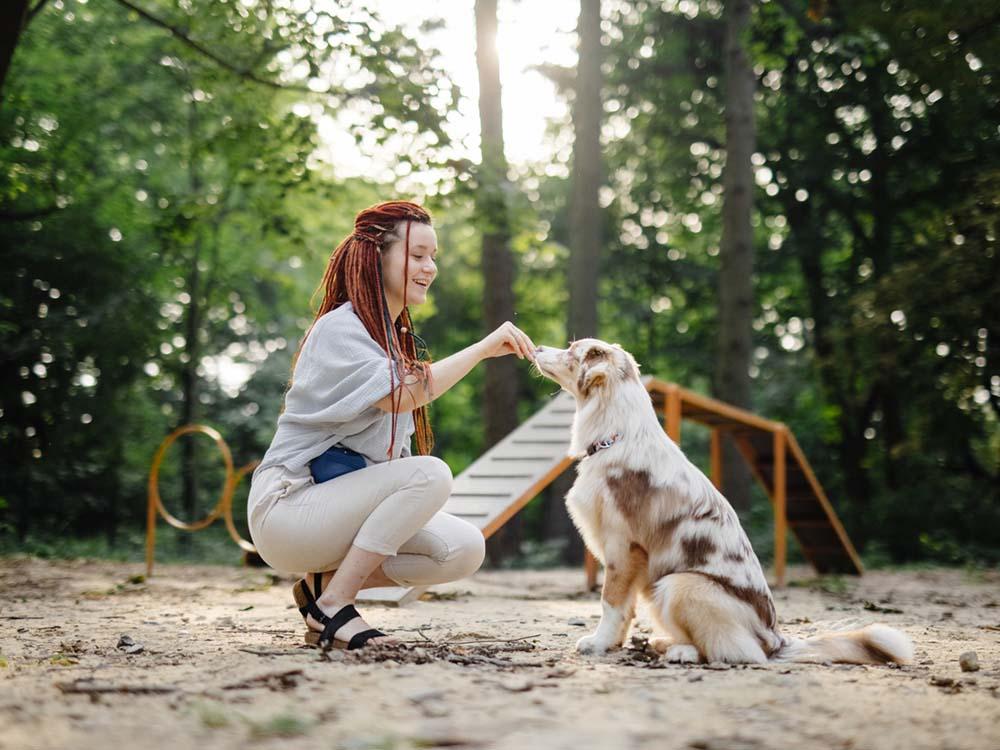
(665, 533)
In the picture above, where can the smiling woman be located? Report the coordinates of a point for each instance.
(338, 492)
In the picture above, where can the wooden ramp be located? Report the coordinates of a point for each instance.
(504, 479)
(515, 470)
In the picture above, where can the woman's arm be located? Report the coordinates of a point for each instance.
(417, 391)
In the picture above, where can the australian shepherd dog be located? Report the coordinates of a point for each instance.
(666, 534)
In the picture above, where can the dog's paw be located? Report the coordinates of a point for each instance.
(592, 644)
(682, 653)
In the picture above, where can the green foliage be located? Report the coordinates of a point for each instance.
(165, 220)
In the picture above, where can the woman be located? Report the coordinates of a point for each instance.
(358, 393)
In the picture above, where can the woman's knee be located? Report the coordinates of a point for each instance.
(438, 475)
(469, 551)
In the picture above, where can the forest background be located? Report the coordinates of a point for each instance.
(791, 205)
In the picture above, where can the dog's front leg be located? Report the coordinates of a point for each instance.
(623, 572)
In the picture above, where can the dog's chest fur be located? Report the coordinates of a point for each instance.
(672, 512)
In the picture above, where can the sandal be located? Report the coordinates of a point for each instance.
(307, 606)
(305, 599)
(344, 615)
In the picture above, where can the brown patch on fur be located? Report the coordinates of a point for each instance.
(734, 557)
(631, 490)
(662, 536)
(760, 601)
(584, 385)
(595, 353)
(697, 550)
(876, 654)
(622, 576)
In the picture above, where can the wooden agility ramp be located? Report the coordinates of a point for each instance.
(512, 473)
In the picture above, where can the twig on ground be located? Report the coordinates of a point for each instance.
(266, 652)
(273, 680)
(82, 687)
(491, 640)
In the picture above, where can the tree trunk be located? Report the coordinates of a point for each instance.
(586, 223)
(585, 218)
(500, 392)
(14, 17)
(192, 323)
(736, 294)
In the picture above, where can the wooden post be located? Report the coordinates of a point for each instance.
(672, 415)
(590, 568)
(150, 534)
(716, 458)
(780, 519)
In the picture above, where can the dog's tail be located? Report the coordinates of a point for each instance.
(874, 644)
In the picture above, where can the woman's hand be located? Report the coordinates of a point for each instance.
(507, 339)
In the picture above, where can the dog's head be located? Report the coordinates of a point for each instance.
(588, 368)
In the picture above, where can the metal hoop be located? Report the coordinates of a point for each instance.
(224, 507)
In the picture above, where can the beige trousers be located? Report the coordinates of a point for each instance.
(391, 508)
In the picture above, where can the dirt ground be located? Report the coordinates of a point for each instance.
(93, 656)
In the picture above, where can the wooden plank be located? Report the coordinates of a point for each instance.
(529, 494)
(715, 452)
(504, 485)
(750, 456)
(706, 403)
(800, 457)
(478, 507)
(392, 596)
(780, 523)
(672, 414)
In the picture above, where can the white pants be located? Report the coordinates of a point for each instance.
(391, 508)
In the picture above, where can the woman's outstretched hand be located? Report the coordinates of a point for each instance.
(507, 339)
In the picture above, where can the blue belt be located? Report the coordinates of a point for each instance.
(334, 462)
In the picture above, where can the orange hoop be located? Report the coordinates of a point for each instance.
(224, 507)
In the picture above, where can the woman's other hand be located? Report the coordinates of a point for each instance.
(507, 339)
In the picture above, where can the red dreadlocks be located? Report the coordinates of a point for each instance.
(355, 274)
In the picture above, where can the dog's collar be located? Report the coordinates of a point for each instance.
(599, 445)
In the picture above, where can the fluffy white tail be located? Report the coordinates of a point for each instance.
(874, 644)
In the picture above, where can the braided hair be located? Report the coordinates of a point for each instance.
(354, 274)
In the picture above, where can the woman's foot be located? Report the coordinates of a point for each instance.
(350, 628)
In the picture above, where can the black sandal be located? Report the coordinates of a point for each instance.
(306, 602)
(344, 615)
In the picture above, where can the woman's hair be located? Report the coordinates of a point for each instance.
(354, 274)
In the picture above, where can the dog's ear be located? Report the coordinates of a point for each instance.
(592, 377)
(630, 369)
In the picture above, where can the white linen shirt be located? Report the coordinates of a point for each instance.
(340, 373)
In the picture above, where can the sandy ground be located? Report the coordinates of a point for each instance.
(218, 663)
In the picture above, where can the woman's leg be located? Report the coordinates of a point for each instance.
(353, 523)
(446, 549)
(343, 589)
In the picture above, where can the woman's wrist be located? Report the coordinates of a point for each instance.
(479, 350)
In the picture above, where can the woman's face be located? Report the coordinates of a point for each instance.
(422, 267)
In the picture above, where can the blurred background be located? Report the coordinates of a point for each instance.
(791, 205)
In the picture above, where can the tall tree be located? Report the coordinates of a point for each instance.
(736, 293)
(585, 217)
(586, 226)
(14, 17)
(500, 393)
